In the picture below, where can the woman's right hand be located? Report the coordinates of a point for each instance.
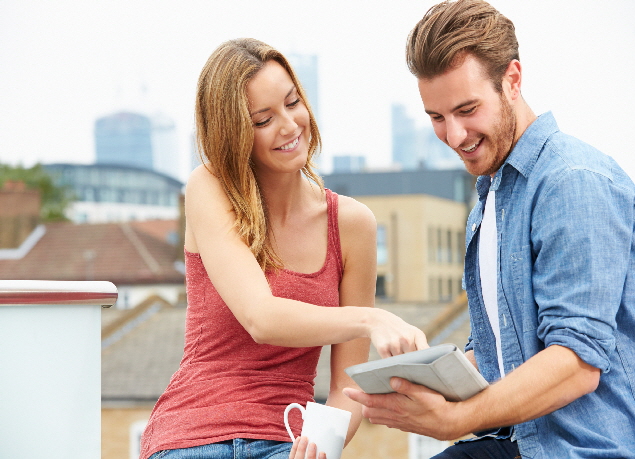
(391, 335)
(301, 449)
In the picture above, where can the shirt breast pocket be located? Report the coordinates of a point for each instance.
(522, 302)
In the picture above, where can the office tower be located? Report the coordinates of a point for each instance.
(345, 164)
(306, 69)
(436, 154)
(405, 150)
(117, 193)
(416, 148)
(124, 138)
(164, 146)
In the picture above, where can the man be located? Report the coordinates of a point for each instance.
(549, 267)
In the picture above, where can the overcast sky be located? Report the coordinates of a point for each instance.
(64, 63)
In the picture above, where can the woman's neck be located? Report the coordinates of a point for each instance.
(286, 194)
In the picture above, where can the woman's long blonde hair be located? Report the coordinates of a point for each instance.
(225, 136)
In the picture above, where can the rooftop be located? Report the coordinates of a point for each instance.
(142, 348)
(454, 184)
(121, 253)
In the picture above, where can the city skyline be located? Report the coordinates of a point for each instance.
(72, 62)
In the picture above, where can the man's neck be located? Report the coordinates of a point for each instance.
(524, 117)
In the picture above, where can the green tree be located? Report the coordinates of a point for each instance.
(55, 198)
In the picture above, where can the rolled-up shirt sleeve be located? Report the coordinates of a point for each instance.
(470, 345)
(582, 231)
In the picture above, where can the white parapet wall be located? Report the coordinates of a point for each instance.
(50, 368)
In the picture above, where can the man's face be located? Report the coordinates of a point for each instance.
(470, 116)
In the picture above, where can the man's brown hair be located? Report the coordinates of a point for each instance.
(452, 29)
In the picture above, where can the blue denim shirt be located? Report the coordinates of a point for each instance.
(565, 220)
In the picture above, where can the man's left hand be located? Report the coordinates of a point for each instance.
(412, 408)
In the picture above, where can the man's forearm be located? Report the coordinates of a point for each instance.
(548, 381)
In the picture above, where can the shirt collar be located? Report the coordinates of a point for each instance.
(483, 183)
(525, 153)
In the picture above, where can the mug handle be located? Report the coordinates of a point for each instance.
(286, 417)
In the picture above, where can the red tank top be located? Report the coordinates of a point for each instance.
(227, 386)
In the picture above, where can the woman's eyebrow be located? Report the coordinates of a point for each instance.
(269, 108)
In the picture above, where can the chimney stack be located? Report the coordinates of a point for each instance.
(19, 213)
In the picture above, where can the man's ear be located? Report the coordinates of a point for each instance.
(512, 80)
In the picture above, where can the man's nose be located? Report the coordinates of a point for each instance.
(455, 133)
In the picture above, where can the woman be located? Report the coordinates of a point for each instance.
(266, 249)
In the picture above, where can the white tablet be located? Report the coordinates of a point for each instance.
(443, 368)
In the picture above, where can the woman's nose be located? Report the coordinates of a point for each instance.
(288, 125)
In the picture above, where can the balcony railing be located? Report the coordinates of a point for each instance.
(50, 368)
(57, 292)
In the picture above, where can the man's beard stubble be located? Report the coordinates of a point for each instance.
(504, 137)
(500, 142)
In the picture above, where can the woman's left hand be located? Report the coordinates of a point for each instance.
(303, 450)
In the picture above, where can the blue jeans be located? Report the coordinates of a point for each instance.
(238, 448)
(485, 448)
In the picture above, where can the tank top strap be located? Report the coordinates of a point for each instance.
(334, 230)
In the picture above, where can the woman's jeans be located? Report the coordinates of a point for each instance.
(238, 448)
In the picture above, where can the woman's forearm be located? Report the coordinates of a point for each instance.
(284, 322)
(290, 323)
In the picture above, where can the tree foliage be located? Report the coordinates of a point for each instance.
(55, 198)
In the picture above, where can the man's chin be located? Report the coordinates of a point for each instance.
(477, 168)
(474, 168)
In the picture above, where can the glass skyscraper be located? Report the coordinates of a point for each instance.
(306, 68)
(418, 148)
(124, 139)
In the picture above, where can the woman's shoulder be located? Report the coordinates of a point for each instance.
(201, 172)
(204, 189)
(353, 214)
(202, 179)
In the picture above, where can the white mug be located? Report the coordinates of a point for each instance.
(323, 425)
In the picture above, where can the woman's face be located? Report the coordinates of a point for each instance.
(280, 120)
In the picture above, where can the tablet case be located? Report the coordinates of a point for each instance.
(443, 368)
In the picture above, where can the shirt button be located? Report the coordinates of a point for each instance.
(473, 226)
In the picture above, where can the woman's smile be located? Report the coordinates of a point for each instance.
(289, 146)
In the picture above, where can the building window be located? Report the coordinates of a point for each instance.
(382, 245)
(431, 245)
(380, 287)
(89, 194)
(432, 294)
